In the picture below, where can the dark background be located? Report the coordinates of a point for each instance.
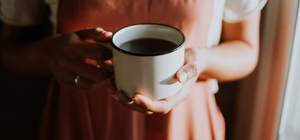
(22, 100)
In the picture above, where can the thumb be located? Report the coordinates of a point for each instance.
(94, 34)
(187, 72)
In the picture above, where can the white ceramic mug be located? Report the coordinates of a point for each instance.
(152, 75)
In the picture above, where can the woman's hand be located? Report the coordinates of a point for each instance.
(188, 74)
(67, 54)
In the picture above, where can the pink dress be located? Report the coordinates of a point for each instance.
(94, 115)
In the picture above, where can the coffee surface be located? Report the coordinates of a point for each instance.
(148, 46)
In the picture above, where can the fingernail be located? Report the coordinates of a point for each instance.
(131, 102)
(136, 100)
(99, 29)
(115, 97)
(149, 112)
(182, 77)
(109, 33)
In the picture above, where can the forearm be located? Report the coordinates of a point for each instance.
(22, 50)
(25, 57)
(229, 61)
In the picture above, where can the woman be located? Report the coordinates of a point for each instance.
(83, 102)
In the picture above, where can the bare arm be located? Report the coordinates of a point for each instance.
(234, 58)
(21, 52)
(26, 52)
(237, 54)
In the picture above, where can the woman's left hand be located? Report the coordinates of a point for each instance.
(188, 75)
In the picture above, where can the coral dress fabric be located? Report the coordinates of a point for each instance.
(94, 115)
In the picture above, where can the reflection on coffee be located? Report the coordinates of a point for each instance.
(148, 46)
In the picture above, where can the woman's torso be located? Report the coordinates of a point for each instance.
(95, 115)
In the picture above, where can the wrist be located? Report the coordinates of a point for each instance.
(202, 59)
(47, 52)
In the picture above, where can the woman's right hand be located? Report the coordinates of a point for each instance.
(67, 53)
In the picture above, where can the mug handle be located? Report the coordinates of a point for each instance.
(106, 64)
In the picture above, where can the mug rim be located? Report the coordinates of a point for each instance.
(144, 54)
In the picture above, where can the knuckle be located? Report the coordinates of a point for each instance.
(194, 50)
(192, 70)
(72, 39)
(98, 30)
(67, 49)
(192, 53)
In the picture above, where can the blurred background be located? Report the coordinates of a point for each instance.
(262, 106)
(21, 104)
(266, 104)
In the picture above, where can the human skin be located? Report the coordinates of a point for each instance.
(24, 51)
(234, 58)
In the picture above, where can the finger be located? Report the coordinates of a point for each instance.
(68, 80)
(165, 105)
(89, 50)
(127, 102)
(191, 55)
(187, 72)
(156, 106)
(107, 65)
(87, 71)
(120, 97)
(71, 85)
(95, 34)
(159, 106)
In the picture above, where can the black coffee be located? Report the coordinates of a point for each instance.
(148, 46)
